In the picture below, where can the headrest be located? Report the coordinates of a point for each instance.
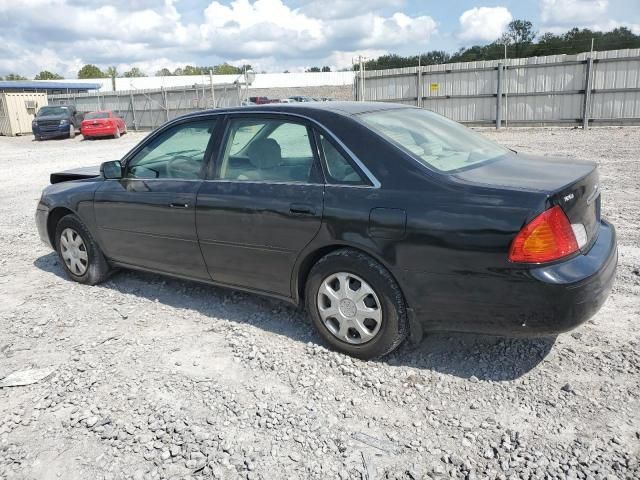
(265, 153)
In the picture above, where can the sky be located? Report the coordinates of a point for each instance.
(271, 35)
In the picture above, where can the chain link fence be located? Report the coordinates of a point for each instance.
(148, 109)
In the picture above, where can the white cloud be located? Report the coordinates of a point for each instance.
(338, 9)
(573, 12)
(269, 34)
(484, 23)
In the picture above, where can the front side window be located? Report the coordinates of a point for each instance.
(267, 150)
(432, 139)
(177, 153)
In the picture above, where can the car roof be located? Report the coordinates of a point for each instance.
(309, 108)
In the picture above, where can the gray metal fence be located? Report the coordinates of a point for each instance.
(148, 109)
(588, 88)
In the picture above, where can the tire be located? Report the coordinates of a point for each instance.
(70, 251)
(117, 134)
(363, 274)
(72, 131)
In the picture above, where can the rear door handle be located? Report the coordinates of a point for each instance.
(179, 205)
(301, 209)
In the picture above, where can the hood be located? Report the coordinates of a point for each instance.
(528, 172)
(51, 117)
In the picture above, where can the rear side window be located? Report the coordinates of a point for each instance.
(339, 170)
(267, 150)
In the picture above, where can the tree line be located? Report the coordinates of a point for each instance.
(520, 39)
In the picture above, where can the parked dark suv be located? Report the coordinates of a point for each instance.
(54, 121)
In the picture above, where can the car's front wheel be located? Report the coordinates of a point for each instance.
(72, 131)
(81, 256)
(356, 304)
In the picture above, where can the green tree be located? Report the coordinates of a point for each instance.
(191, 70)
(326, 69)
(91, 71)
(520, 34)
(163, 72)
(47, 75)
(521, 41)
(135, 72)
(14, 77)
(313, 69)
(178, 71)
(226, 69)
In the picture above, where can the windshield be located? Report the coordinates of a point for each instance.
(434, 140)
(44, 111)
(93, 115)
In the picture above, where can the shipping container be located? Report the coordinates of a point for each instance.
(17, 110)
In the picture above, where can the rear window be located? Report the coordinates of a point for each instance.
(94, 115)
(432, 139)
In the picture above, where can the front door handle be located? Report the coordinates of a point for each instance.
(179, 205)
(301, 209)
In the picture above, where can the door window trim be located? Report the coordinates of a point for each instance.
(317, 173)
(224, 115)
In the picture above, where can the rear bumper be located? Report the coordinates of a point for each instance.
(98, 132)
(49, 132)
(540, 301)
(42, 215)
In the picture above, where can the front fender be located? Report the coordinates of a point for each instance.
(61, 198)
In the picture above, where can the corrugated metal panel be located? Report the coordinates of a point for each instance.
(151, 108)
(538, 89)
(464, 109)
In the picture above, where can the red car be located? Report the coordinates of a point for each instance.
(102, 124)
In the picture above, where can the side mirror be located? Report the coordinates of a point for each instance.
(111, 170)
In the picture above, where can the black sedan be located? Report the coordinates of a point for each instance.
(383, 220)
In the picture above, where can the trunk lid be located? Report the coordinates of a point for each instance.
(571, 184)
(96, 122)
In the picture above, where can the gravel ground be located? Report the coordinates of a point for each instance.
(159, 378)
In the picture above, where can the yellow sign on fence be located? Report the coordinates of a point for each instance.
(434, 88)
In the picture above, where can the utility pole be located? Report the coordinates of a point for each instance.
(361, 78)
(213, 90)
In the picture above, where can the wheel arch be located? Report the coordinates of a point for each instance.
(312, 257)
(54, 217)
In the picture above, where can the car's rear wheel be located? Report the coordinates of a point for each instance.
(356, 304)
(81, 257)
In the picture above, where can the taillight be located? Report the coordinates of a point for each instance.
(547, 237)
